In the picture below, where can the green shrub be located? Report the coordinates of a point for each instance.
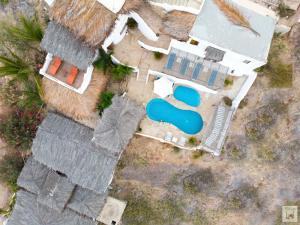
(20, 128)
(193, 141)
(227, 101)
(176, 149)
(267, 154)
(198, 154)
(10, 168)
(228, 82)
(105, 101)
(284, 10)
(119, 72)
(104, 62)
(131, 23)
(4, 2)
(243, 103)
(158, 55)
(279, 73)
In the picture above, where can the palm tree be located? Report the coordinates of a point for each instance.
(15, 67)
(104, 61)
(27, 30)
(119, 72)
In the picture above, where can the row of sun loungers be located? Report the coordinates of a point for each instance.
(217, 126)
(56, 64)
(170, 138)
(196, 67)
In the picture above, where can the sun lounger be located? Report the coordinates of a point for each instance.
(168, 137)
(171, 61)
(212, 78)
(72, 75)
(197, 70)
(182, 141)
(184, 66)
(54, 66)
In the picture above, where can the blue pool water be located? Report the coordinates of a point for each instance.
(187, 95)
(188, 121)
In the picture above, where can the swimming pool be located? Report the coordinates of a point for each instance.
(187, 95)
(188, 121)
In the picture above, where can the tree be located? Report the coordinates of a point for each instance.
(119, 72)
(104, 61)
(104, 101)
(15, 67)
(27, 30)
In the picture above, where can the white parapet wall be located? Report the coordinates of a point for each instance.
(176, 7)
(120, 29)
(86, 79)
(244, 90)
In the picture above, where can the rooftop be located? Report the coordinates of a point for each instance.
(59, 41)
(28, 211)
(213, 26)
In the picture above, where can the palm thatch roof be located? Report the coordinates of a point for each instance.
(28, 211)
(33, 176)
(81, 108)
(61, 42)
(86, 202)
(66, 146)
(87, 19)
(56, 191)
(118, 124)
(178, 24)
(35, 179)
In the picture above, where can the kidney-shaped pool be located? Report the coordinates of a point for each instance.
(188, 121)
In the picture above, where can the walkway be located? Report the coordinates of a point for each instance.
(214, 138)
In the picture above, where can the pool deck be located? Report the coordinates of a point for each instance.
(143, 92)
(140, 88)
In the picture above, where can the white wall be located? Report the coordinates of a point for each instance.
(120, 29)
(86, 79)
(169, 7)
(232, 60)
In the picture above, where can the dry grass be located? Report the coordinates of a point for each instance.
(88, 19)
(234, 15)
(81, 108)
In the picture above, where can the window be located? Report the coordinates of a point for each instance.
(246, 61)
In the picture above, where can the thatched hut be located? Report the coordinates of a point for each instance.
(87, 19)
(59, 41)
(118, 124)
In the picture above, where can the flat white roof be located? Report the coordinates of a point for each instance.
(213, 26)
(113, 5)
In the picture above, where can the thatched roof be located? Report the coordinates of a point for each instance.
(87, 19)
(66, 146)
(56, 192)
(61, 42)
(35, 179)
(178, 24)
(81, 108)
(28, 211)
(33, 176)
(87, 202)
(118, 124)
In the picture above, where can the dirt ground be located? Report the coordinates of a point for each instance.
(4, 191)
(269, 165)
